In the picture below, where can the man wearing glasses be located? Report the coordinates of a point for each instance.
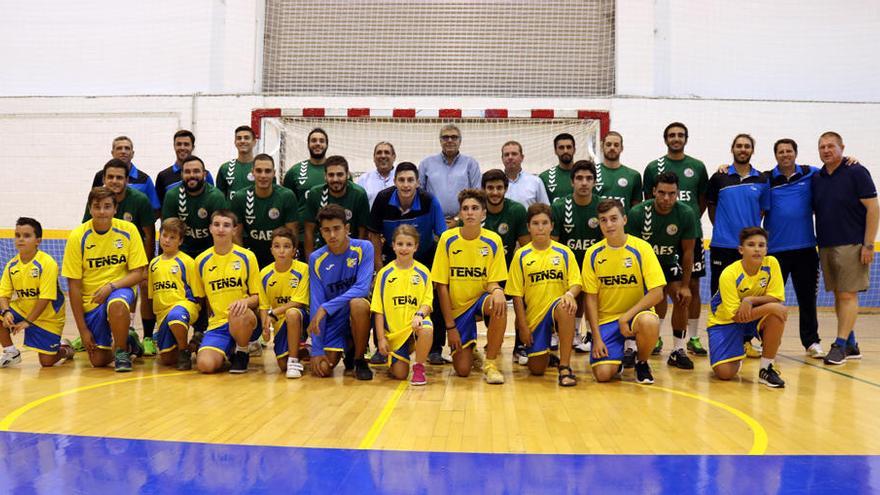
(448, 172)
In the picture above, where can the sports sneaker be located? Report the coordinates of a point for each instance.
(643, 373)
(520, 356)
(853, 352)
(77, 345)
(815, 351)
(196, 340)
(629, 358)
(362, 370)
(658, 347)
(255, 349)
(491, 373)
(149, 347)
(554, 342)
(66, 351)
(10, 358)
(418, 375)
(378, 358)
(770, 377)
(752, 351)
(294, 368)
(553, 361)
(837, 355)
(695, 347)
(479, 359)
(135, 349)
(239, 362)
(184, 360)
(680, 359)
(123, 361)
(580, 345)
(436, 359)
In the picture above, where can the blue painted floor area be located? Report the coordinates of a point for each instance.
(46, 463)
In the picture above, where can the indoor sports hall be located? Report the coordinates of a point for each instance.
(80, 74)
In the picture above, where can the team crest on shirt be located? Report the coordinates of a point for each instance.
(593, 222)
(35, 272)
(622, 182)
(250, 176)
(174, 269)
(672, 229)
(503, 228)
(555, 261)
(688, 172)
(236, 265)
(347, 214)
(627, 262)
(127, 216)
(274, 213)
(416, 279)
(763, 282)
(118, 244)
(484, 251)
(203, 213)
(294, 283)
(350, 262)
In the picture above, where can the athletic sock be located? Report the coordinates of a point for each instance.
(693, 324)
(660, 327)
(149, 326)
(11, 349)
(840, 342)
(765, 362)
(239, 348)
(577, 324)
(851, 339)
(678, 339)
(630, 343)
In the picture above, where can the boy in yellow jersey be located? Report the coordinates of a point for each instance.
(103, 261)
(748, 302)
(170, 282)
(402, 299)
(284, 300)
(545, 282)
(468, 266)
(228, 277)
(623, 281)
(38, 303)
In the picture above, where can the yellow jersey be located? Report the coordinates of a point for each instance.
(397, 294)
(28, 283)
(735, 284)
(541, 277)
(282, 287)
(170, 283)
(225, 278)
(467, 266)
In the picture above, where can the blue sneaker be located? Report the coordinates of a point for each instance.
(123, 361)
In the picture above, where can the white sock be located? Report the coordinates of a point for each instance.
(577, 324)
(660, 328)
(678, 343)
(239, 348)
(630, 344)
(766, 362)
(11, 349)
(693, 325)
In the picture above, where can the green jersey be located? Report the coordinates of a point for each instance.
(260, 216)
(135, 208)
(355, 202)
(576, 226)
(301, 178)
(622, 183)
(195, 212)
(693, 181)
(234, 175)
(663, 232)
(557, 181)
(509, 224)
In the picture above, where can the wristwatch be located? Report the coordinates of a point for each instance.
(271, 313)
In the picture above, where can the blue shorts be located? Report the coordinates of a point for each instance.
(282, 346)
(219, 340)
(542, 332)
(164, 337)
(403, 352)
(613, 340)
(96, 319)
(336, 330)
(37, 338)
(467, 322)
(726, 341)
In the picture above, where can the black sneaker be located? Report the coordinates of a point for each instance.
(770, 377)
(553, 361)
(680, 359)
(837, 355)
(643, 373)
(629, 358)
(436, 359)
(853, 352)
(239, 362)
(362, 370)
(520, 356)
(378, 358)
(184, 360)
(196, 341)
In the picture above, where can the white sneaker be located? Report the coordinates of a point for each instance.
(10, 358)
(255, 349)
(579, 345)
(294, 368)
(815, 351)
(554, 341)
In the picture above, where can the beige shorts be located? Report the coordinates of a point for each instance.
(843, 269)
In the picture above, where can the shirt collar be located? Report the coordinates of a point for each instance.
(731, 170)
(395, 201)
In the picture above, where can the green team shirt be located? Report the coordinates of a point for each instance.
(301, 178)
(663, 232)
(355, 202)
(622, 183)
(234, 175)
(195, 212)
(135, 208)
(509, 224)
(693, 181)
(576, 226)
(260, 216)
(557, 182)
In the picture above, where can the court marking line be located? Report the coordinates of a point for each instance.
(10, 418)
(376, 429)
(830, 370)
(759, 434)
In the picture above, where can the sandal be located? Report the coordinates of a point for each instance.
(568, 379)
